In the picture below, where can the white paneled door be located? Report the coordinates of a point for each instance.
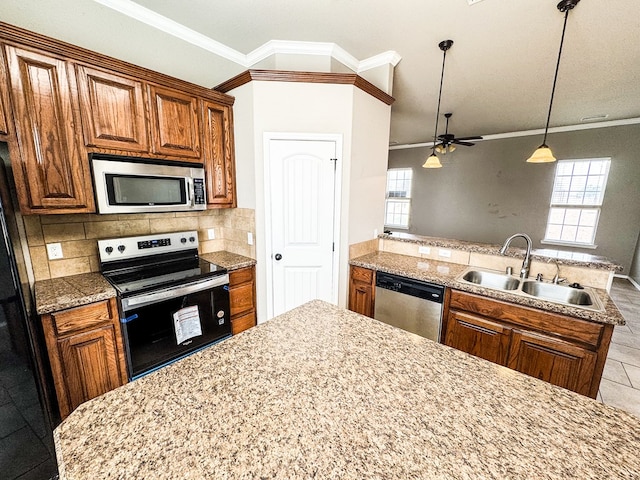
(301, 196)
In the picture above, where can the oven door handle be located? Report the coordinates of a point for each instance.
(138, 301)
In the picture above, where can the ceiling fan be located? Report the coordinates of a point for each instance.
(448, 141)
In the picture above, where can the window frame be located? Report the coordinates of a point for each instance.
(398, 199)
(582, 208)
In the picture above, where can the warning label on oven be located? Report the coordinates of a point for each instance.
(187, 324)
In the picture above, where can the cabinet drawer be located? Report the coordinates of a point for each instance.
(241, 299)
(362, 274)
(238, 277)
(242, 323)
(80, 318)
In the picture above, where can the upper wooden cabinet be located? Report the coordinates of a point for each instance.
(219, 155)
(62, 103)
(50, 173)
(113, 113)
(176, 124)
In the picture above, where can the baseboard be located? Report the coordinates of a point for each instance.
(627, 277)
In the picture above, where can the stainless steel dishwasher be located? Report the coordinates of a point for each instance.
(409, 304)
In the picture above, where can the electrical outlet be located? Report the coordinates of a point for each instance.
(250, 238)
(444, 253)
(375, 233)
(54, 251)
(424, 250)
(211, 234)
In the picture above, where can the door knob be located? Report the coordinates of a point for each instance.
(278, 257)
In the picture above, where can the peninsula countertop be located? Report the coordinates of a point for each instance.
(446, 274)
(322, 392)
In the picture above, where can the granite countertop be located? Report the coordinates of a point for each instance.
(321, 392)
(444, 273)
(76, 290)
(546, 255)
(228, 260)
(72, 291)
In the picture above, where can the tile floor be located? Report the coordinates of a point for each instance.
(620, 385)
(26, 444)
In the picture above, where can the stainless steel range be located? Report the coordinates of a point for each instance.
(172, 302)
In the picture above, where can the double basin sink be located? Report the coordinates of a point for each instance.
(550, 292)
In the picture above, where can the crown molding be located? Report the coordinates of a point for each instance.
(528, 133)
(272, 47)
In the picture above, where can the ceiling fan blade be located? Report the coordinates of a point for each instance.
(469, 138)
(467, 144)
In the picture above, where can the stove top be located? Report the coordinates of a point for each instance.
(143, 263)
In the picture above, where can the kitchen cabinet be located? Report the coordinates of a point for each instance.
(362, 291)
(113, 111)
(566, 351)
(219, 155)
(4, 126)
(242, 299)
(86, 353)
(176, 124)
(50, 173)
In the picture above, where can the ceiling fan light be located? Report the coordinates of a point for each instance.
(542, 154)
(441, 149)
(452, 148)
(432, 162)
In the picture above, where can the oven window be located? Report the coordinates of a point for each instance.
(145, 190)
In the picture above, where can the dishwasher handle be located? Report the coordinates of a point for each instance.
(408, 286)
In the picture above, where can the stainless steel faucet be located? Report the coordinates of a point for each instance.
(526, 264)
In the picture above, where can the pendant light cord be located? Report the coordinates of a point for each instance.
(435, 133)
(555, 78)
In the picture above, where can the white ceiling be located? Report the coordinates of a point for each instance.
(498, 75)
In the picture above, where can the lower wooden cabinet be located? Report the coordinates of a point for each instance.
(85, 351)
(242, 299)
(561, 350)
(362, 284)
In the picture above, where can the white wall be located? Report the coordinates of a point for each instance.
(293, 107)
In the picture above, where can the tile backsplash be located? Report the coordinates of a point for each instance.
(78, 235)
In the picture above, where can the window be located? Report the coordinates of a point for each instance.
(578, 191)
(398, 198)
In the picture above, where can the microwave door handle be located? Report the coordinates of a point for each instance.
(144, 299)
(190, 193)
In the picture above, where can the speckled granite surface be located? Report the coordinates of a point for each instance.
(446, 274)
(321, 392)
(542, 255)
(228, 260)
(72, 291)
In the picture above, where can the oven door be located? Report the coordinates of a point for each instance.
(162, 326)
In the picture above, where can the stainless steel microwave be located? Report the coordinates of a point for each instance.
(139, 185)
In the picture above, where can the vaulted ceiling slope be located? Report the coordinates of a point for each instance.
(499, 70)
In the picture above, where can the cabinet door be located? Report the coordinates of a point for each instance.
(552, 360)
(112, 110)
(361, 291)
(50, 173)
(478, 336)
(175, 128)
(90, 366)
(219, 157)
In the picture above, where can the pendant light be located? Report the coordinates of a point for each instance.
(433, 161)
(543, 152)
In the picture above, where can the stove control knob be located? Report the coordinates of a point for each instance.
(192, 239)
(121, 248)
(109, 250)
(183, 240)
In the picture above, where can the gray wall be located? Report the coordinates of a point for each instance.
(487, 192)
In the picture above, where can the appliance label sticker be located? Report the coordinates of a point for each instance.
(187, 324)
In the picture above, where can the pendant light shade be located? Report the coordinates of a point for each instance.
(432, 162)
(543, 153)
